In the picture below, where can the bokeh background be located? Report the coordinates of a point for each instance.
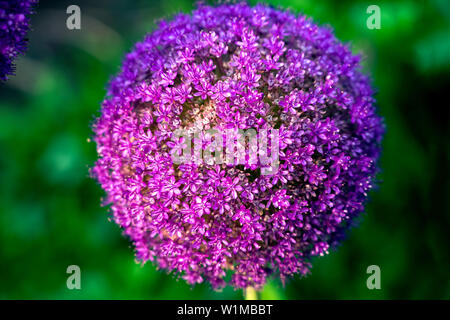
(50, 210)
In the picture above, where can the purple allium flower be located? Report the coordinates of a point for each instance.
(14, 25)
(237, 66)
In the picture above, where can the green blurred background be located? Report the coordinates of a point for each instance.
(50, 210)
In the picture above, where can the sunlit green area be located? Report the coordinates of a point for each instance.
(50, 212)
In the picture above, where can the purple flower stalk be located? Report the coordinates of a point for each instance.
(14, 25)
(237, 66)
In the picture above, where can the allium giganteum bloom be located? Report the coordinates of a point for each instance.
(236, 66)
(14, 25)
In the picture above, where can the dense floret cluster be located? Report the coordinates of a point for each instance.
(237, 66)
(14, 25)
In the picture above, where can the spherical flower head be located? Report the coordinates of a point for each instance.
(234, 68)
(14, 25)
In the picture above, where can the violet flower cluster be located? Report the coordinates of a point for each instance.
(14, 25)
(237, 66)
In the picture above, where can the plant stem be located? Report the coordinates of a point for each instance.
(250, 294)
